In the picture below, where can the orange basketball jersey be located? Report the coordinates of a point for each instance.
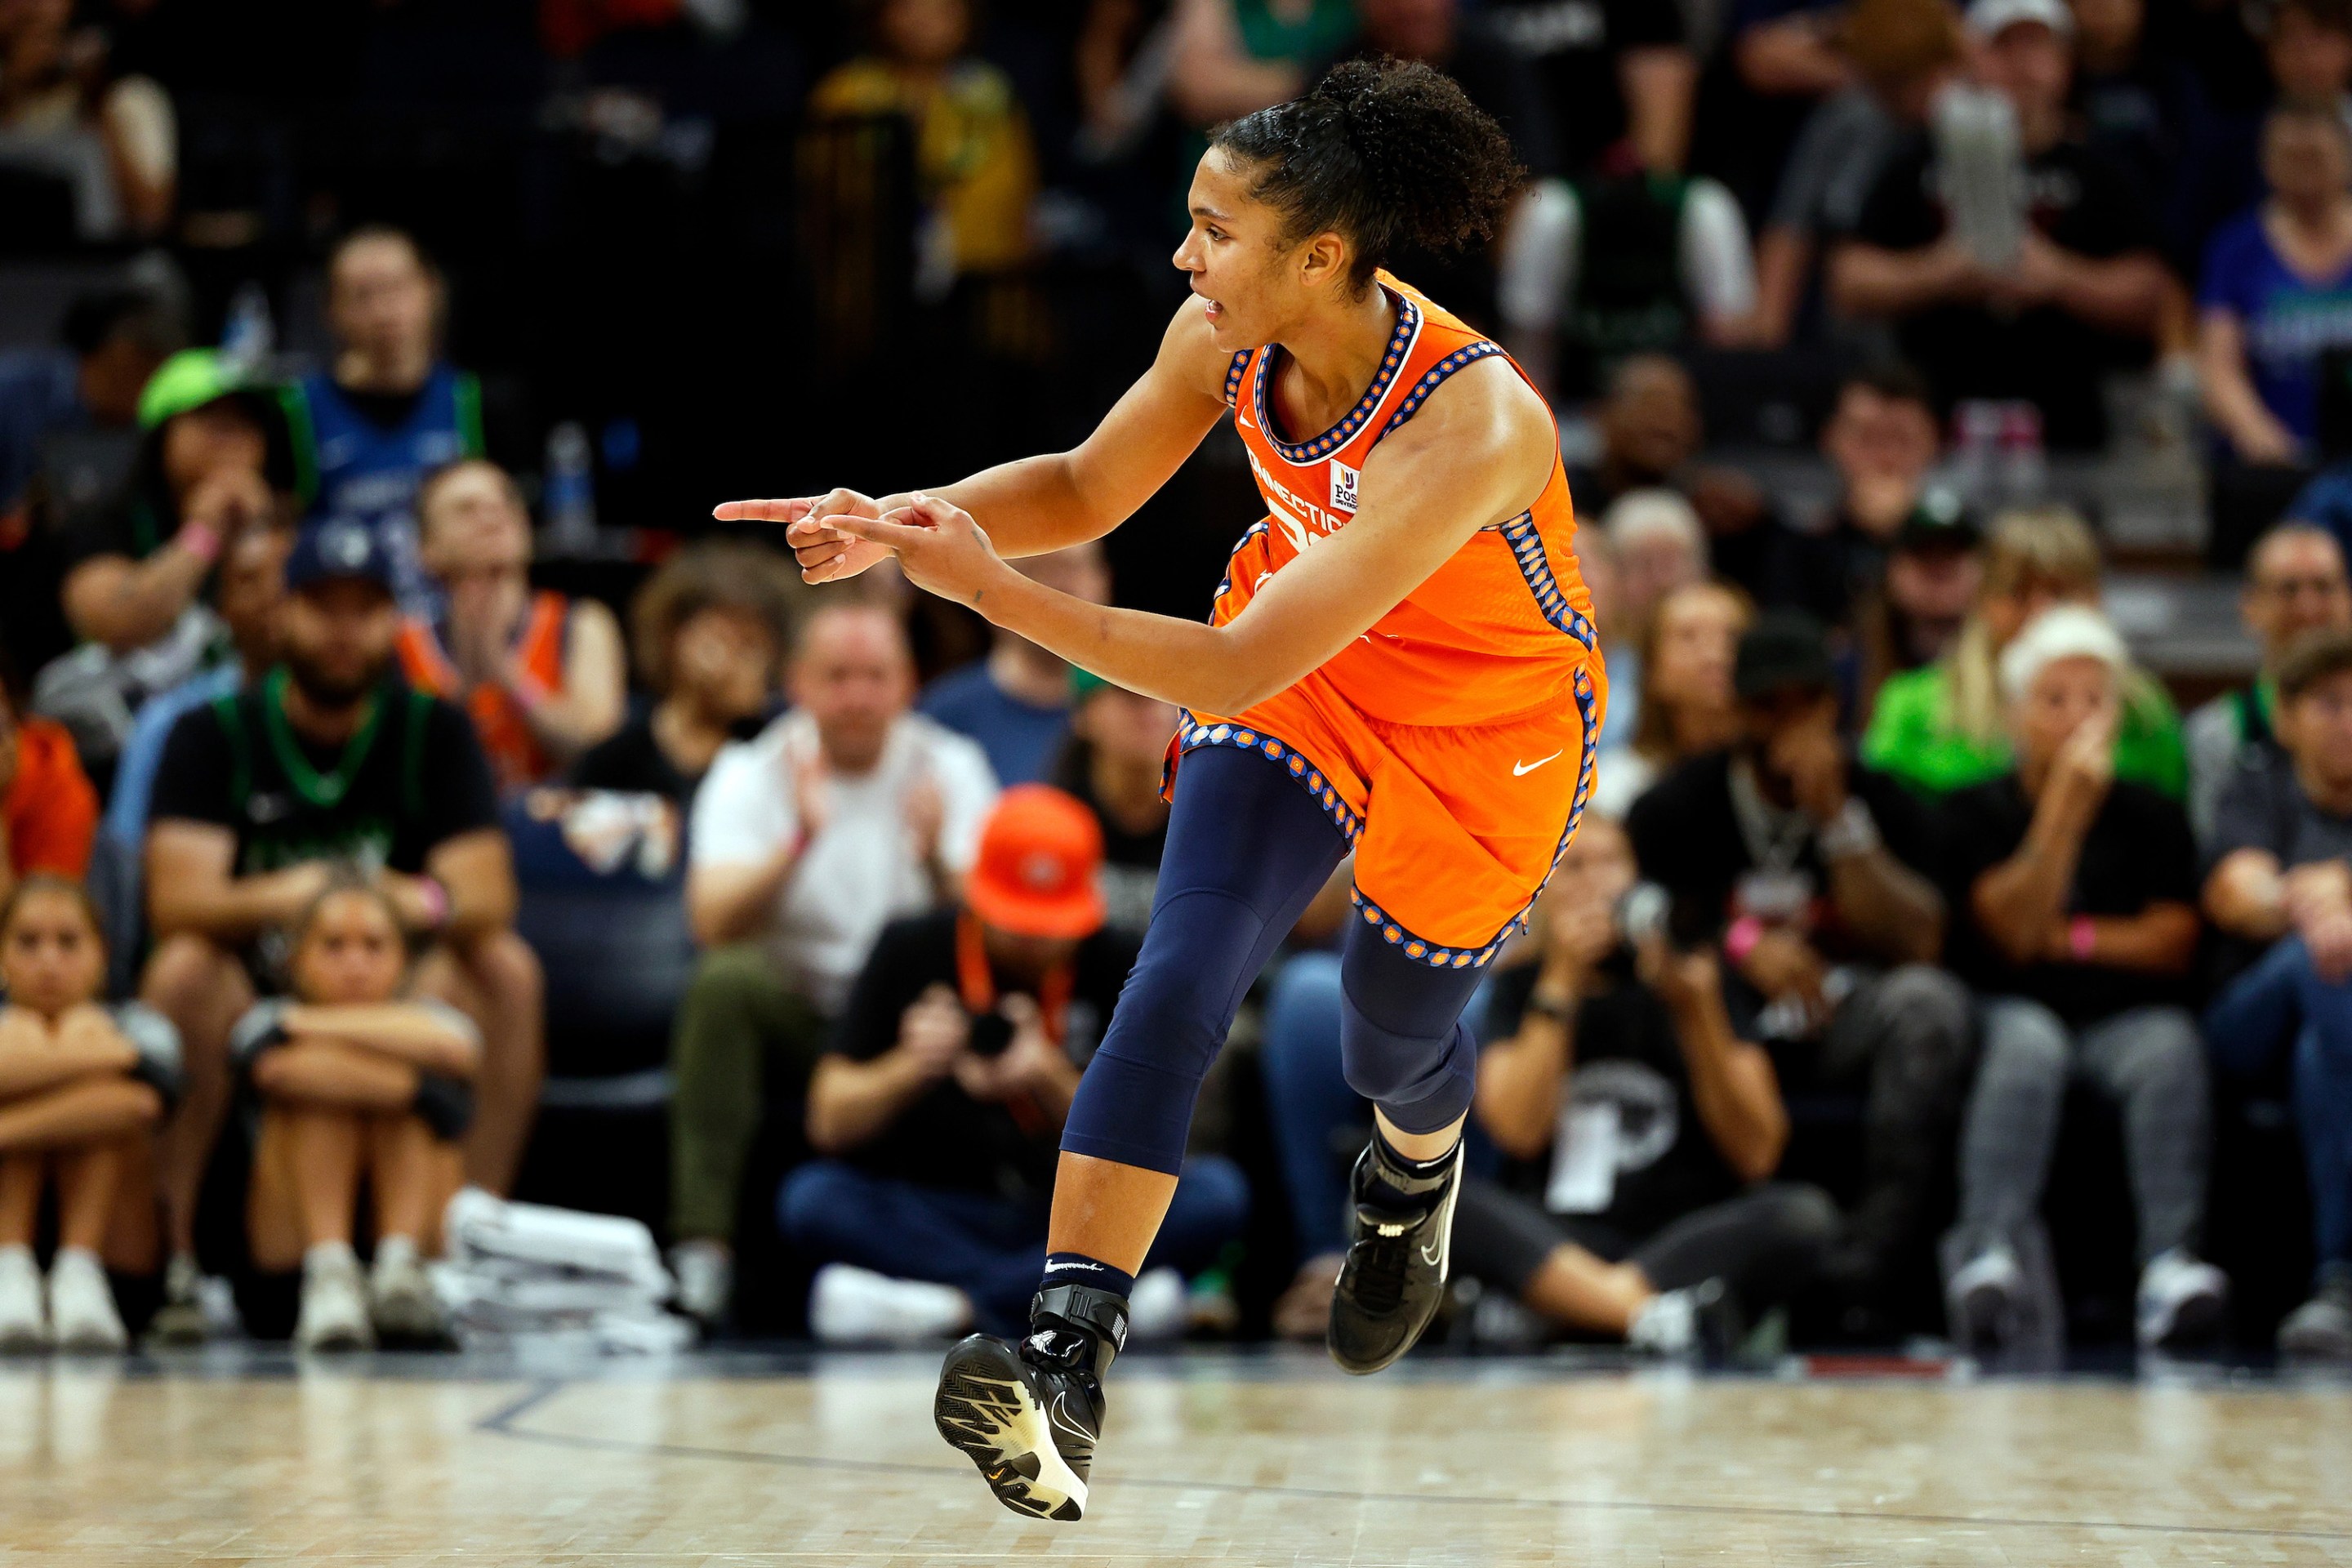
(1483, 639)
(515, 757)
(1453, 743)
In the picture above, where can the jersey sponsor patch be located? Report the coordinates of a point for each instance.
(1343, 486)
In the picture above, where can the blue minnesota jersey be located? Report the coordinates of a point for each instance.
(370, 473)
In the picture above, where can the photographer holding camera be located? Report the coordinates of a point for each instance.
(936, 1111)
(1816, 873)
(1639, 1132)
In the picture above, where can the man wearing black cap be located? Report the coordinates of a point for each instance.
(1813, 875)
(1927, 582)
(329, 760)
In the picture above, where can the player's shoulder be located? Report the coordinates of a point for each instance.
(1482, 407)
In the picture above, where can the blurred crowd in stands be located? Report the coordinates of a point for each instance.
(403, 793)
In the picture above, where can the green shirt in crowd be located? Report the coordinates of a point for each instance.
(1912, 735)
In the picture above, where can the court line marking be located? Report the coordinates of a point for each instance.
(500, 1423)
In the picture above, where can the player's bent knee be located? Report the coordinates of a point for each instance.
(1394, 1070)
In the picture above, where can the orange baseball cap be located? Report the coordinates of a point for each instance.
(1039, 851)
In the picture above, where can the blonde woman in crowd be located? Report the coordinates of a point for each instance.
(1687, 705)
(1941, 727)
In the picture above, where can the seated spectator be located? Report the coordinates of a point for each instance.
(975, 167)
(49, 811)
(542, 676)
(114, 342)
(2086, 286)
(2273, 282)
(2294, 585)
(2279, 891)
(355, 1080)
(937, 1109)
(1910, 618)
(1016, 702)
(1649, 439)
(1940, 727)
(1654, 543)
(1113, 765)
(247, 588)
(2076, 900)
(709, 627)
(1620, 77)
(1601, 267)
(212, 461)
(1648, 422)
(1883, 441)
(328, 758)
(388, 410)
(846, 814)
(1817, 874)
(2309, 49)
(1639, 1132)
(81, 1087)
(109, 139)
(1900, 54)
(1686, 700)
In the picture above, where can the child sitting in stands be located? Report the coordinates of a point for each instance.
(81, 1087)
(354, 1079)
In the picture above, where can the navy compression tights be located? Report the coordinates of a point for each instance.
(1248, 848)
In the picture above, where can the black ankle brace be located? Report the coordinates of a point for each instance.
(1098, 1317)
(1411, 1178)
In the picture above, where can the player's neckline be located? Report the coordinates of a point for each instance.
(1401, 337)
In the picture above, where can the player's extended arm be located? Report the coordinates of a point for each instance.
(1034, 505)
(1478, 453)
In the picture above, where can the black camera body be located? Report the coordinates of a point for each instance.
(992, 1032)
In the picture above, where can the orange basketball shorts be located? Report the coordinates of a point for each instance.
(1455, 827)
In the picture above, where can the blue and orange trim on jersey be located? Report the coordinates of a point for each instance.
(1303, 453)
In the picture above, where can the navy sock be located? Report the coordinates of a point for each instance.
(1078, 1269)
(1398, 1183)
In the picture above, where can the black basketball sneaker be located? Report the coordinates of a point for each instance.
(1394, 1279)
(1029, 1414)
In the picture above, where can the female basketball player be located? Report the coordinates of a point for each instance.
(1400, 662)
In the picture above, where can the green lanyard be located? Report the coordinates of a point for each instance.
(325, 791)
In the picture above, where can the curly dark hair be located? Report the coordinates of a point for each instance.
(715, 575)
(1387, 153)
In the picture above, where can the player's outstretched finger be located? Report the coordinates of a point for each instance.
(790, 509)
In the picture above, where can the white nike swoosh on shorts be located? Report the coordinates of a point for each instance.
(1520, 770)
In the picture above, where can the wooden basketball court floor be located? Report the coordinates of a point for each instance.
(238, 1459)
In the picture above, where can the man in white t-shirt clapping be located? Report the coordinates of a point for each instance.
(842, 816)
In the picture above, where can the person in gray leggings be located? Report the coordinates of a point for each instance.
(2080, 925)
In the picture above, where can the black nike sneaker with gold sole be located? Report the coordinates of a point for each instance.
(1029, 1414)
(1398, 1257)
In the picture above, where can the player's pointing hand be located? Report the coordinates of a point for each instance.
(825, 553)
(938, 545)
